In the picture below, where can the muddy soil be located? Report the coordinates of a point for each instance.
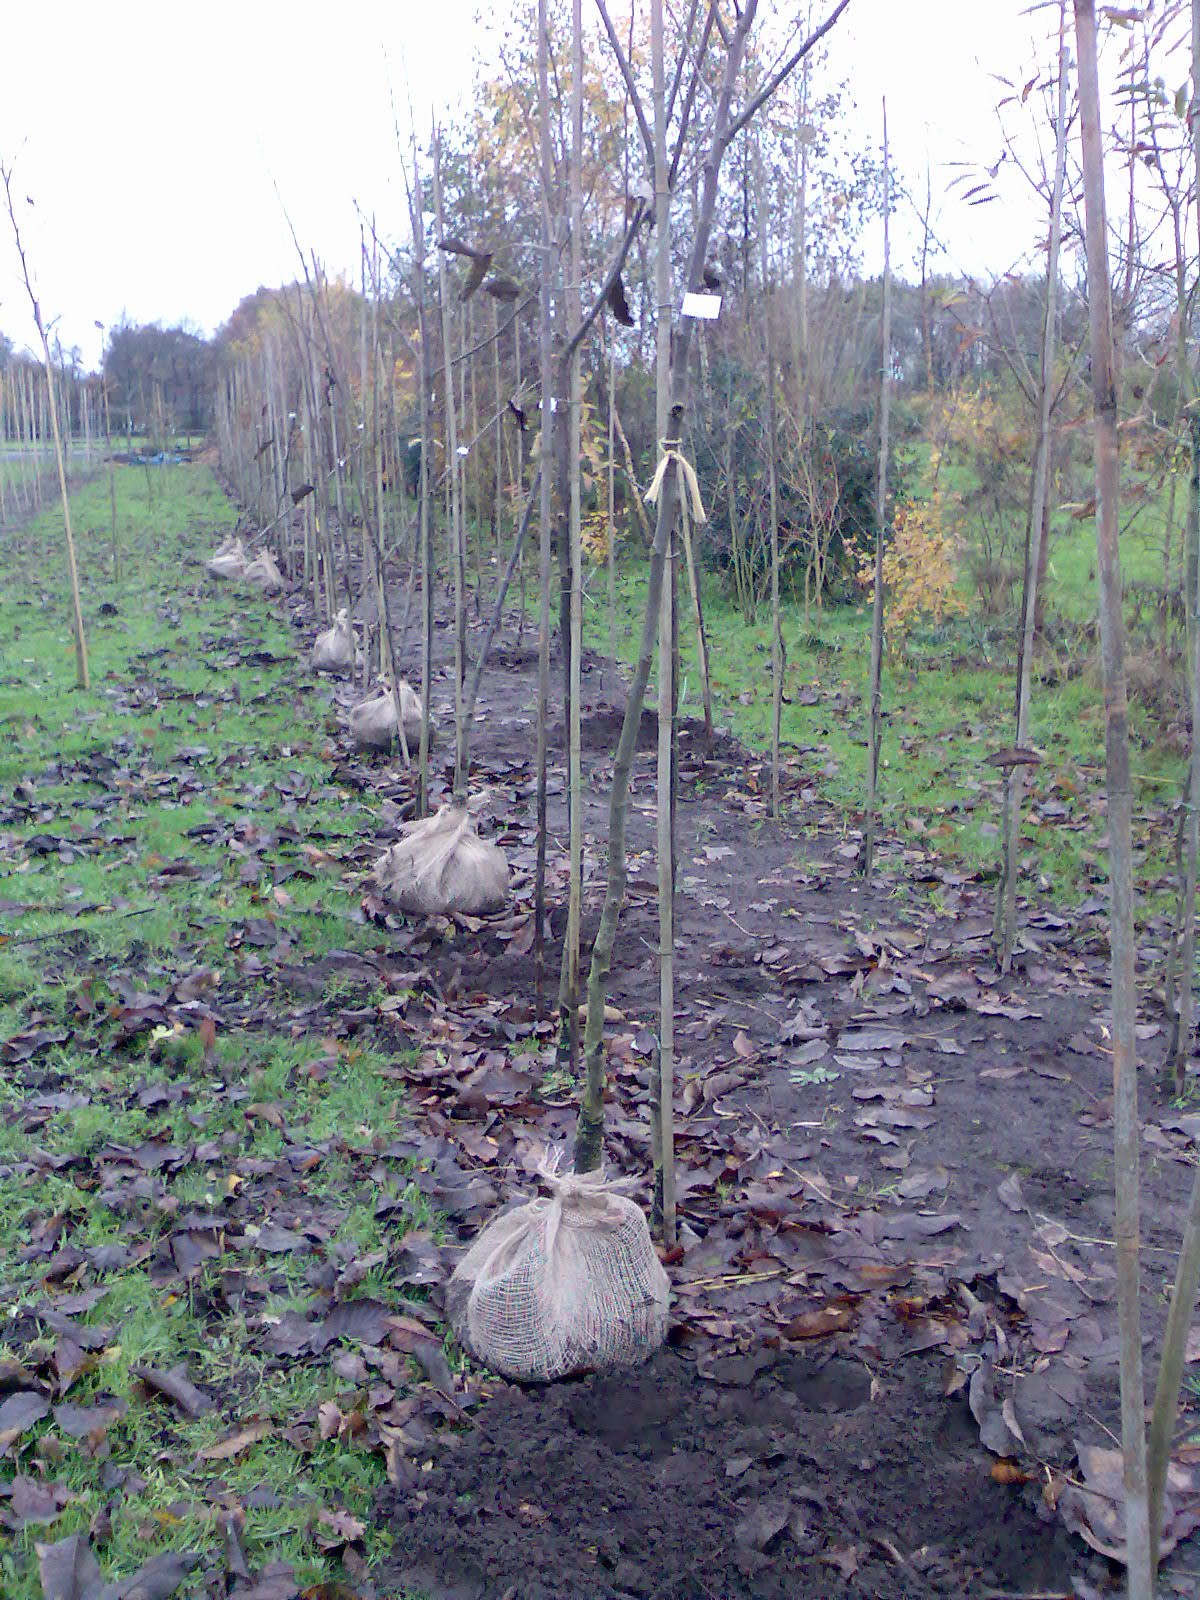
(796, 1479)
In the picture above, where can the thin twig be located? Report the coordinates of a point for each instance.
(631, 86)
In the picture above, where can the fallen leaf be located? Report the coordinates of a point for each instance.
(18, 1413)
(743, 1046)
(1010, 1192)
(159, 1578)
(817, 1324)
(176, 1386)
(842, 1556)
(761, 1523)
(33, 1500)
(343, 1528)
(226, 1449)
(88, 1422)
(69, 1571)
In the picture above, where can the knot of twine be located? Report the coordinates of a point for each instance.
(671, 452)
(574, 1185)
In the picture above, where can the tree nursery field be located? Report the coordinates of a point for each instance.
(599, 843)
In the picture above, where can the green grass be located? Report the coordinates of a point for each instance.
(197, 731)
(948, 704)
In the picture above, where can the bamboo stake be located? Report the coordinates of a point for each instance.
(112, 484)
(1187, 1275)
(685, 528)
(1120, 855)
(1181, 1041)
(610, 521)
(1014, 783)
(772, 492)
(885, 393)
(502, 595)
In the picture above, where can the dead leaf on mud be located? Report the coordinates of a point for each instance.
(1010, 1192)
(1096, 1512)
(818, 1324)
(871, 1041)
(842, 1556)
(989, 1413)
(762, 1523)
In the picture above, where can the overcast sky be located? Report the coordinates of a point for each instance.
(152, 139)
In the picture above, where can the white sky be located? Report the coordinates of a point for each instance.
(150, 137)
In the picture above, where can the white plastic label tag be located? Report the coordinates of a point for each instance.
(705, 306)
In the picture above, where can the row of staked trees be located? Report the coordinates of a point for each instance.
(541, 348)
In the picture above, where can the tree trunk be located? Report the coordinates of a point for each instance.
(590, 1128)
(425, 510)
(662, 1095)
(453, 467)
(569, 988)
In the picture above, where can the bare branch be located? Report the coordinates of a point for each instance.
(769, 88)
(630, 86)
(690, 97)
(613, 274)
(686, 36)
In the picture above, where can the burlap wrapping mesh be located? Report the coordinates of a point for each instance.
(333, 650)
(228, 560)
(373, 721)
(563, 1285)
(264, 574)
(441, 865)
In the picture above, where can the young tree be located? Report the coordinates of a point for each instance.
(458, 538)
(726, 125)
(662, 1103)
(81, 655)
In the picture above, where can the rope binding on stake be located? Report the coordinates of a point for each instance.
(671, 451)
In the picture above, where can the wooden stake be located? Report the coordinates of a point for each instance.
(875, 710)
(1014, 783)
(1126, 1128)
